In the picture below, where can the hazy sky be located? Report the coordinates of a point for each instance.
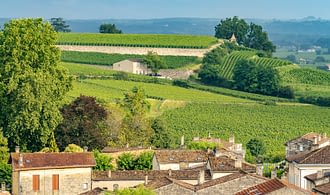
(142, 9)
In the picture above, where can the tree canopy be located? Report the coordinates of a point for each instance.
(60, 25)
(154, 62)
(250, 35)
(32, 84)
(84, 123)
(109, 28)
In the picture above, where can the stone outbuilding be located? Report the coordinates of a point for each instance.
(134, 66)
(51, 173)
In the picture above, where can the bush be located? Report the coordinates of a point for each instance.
(181, 83)
(286, 92)
(103, 162)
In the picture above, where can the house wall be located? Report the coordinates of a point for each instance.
(173, 189)
(216, 175)
(172, 166)
(121, 184)
(155, 164)
(126, 66)
(231, 187)
(71, 181)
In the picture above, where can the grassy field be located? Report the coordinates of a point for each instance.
(108, 59)
(274, 125)
(137, 40)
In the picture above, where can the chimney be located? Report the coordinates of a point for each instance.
(238, 163)
(109, 173)
(319, 174)
(232, 139)
(259, 169)
(182, 141)
(315, 140)
(3, 187)
(324, 135)
(319, 137)
(146, 180)
(16, 149)
(85, 149)
(301, 147)
(273, 174)
(20, 160)
(201, 176)
(170, 172)
(127, 145)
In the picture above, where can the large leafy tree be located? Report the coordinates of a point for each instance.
(226, 28)
(60, 25)
(32, 84)
(84, 123)
(256, 147)
(154, 62)
(256, 38)
(109, 28)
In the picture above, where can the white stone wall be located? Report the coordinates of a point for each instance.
(71, 181)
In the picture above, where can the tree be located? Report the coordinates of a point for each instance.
(292, 58)
(32, 84)
(84, 123)
(5, 168)
(109, 28)
(256, 147)
(73, 148)
(143, 161)
(60, 25)
(125, 161)
(226, 28)
(103, 162)
(215, 56)
(154, 62)
(163, 137)
(4, 155)
(211, 74)
(136, 130)
(258, 39)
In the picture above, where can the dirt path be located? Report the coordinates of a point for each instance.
(139, 50)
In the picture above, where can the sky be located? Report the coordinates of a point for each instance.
(149, 9)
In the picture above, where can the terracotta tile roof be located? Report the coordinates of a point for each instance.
(319, 156)
(313, 177)
(325, 188)
(191, 174)
(310, 137)
(113, 150)
(177, 156)
(223, 163)
(52, 160)
(263, 188)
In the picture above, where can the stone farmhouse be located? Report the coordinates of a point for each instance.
(307, 163)
(319, 182)
(307, 142)
(134, 66)
(51, 173)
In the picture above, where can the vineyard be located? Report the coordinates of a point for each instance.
(306, 76)
(108, 59)
(274, 125)
(229, 62)
(137, 40)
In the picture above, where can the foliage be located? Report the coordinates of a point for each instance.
(171, 62)
(200, 145)
(226, 28)
(73, 148)
(181, 83)
(211, 74)
(273, 125)
(163, 137)
(258, 39)
(103, 162)
(84, 123)
(32, 85)
(286, 92)
(257, 79)
(305, 76)
(109, 28)
(126, 161)
(135, 102)
(137, 40)
(140, 190)
(256, 147)
(4, 155)
(59, 25)
(215, 56)
(6, 174)
(154, 62)
(144, 161)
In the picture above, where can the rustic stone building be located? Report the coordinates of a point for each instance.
(134, 66)
(51, 173)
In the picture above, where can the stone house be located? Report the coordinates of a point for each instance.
(134, 66)
(51, 173)
(273, 187)
(111, 180)
(307, 163)
(307, 142)
(178, 159)
(224, 165)
(319, 182)
(226, 185)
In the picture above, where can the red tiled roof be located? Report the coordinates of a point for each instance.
(319, 156)
(33, 161)
(177, 156)
(310, 137)
(221, 180)
(263, 188)
(325, 188)
(113, 150)
(224, 163)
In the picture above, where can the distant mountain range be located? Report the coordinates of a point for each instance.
(281, 32)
